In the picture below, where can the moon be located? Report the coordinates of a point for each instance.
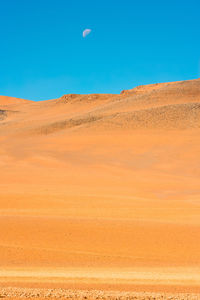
(86, 32)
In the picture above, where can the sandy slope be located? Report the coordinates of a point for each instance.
(102, 191)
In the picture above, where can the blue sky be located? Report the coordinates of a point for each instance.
(43, 54)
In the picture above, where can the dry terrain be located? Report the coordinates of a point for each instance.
(101, 193)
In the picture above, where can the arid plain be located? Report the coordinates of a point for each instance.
(102, 191)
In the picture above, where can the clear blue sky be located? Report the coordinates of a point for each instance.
(43, 54)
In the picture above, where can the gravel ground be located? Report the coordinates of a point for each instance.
(27, 293)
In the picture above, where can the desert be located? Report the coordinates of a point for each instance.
(100, 195)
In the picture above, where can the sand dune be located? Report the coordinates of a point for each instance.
(102, 191)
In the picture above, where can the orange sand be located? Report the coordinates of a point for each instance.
(102, 191)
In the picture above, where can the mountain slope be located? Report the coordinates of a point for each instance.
(102, 191)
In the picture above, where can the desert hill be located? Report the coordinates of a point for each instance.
(102, 191)
(6, 101)
(166, 105)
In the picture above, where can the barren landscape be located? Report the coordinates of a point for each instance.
(100, 195)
